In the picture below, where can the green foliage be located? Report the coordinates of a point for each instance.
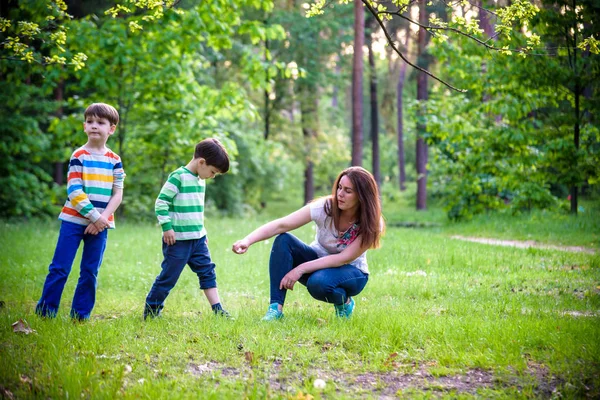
(510, 141)
(35, 32)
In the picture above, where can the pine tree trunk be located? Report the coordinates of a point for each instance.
(374, 116)
(400, 117)
(421, 151)
(59, 170)
(357, 77)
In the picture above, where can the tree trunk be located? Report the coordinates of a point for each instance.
(338, 71)
(310, 123)
(59, 170)
(577, 94)
(574, 187)
(357, 75)
(400, 117)
(422, 100)
(374, 116)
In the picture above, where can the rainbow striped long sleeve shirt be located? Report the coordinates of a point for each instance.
(90, 183)
(180, 205)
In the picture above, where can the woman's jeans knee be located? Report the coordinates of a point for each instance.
(332, 285)
(335, 285)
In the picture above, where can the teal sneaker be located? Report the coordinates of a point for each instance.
(344, 310)
(273, 313)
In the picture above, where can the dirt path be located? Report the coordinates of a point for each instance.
(526, 244)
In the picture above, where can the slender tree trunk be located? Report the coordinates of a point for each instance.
(267, 99)
(59, 171)
(576, 132)
(310, 123)
(374, 115)
(422, 99)
(338, 70)
(357, 76)
(400, 118)
(577, 93)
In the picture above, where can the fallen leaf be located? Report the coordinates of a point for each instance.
(21, 326)
(249, 356)
(5, 393)
(302, 396)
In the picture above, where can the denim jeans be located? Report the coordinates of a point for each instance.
(191, 252)
(331, 285)
(69, 238)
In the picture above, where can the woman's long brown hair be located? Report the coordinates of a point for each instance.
(369, 210)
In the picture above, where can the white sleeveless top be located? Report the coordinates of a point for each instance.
(327, 239)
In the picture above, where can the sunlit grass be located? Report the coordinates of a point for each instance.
(529, 318)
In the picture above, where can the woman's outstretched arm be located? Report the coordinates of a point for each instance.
(275, 227)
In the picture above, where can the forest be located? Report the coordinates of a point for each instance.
(503, 118)
(477, 119)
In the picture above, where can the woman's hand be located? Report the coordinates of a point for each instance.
(241, 246)
(290, 279)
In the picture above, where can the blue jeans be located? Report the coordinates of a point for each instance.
(191, 252)
(331, 285)
(69, 238)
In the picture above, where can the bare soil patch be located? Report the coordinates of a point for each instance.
(525, 244)
(386, 384)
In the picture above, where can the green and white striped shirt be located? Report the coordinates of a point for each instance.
(180, 205)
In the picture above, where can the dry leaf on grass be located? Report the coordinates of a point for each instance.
(21, 326)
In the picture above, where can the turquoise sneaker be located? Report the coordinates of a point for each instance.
(273, 313)
(344, 310)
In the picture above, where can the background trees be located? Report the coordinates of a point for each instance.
(278, 88)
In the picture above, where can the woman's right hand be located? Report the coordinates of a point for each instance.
(241, 246)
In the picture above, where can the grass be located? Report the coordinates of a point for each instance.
(439, 317)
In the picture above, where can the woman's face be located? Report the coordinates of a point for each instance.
(346, 195)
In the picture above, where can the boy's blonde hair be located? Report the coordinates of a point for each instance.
(102, 110)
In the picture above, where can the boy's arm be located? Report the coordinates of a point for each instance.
(162, 205)
(113, 203)
(78, 198)
(111, 207)
(117, 191)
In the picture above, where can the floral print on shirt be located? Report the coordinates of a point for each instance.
(348, 237)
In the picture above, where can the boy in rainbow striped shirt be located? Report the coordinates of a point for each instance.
(94, 190)
(180, 212)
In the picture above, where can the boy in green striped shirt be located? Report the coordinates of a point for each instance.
(180, 212)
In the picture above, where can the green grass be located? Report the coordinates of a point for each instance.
(435, 314)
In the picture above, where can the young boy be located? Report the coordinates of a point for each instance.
(180, 212)
(94, 190)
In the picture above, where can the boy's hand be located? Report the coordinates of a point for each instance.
(240, 247)
(169, 237)
(91, 229)
(102, 223)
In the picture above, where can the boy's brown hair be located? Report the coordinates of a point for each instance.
(102, 110)
(214, 153)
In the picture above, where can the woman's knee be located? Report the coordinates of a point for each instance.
(282, 239)
(319, 286)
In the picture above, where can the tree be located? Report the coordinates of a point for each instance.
(422, 97)
(357, 81)
(374, 106)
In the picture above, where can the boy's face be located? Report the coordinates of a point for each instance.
(206, 171)
(98, 129)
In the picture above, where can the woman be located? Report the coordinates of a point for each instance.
(334, 266)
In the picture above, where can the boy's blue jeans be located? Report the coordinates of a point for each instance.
(192, 252)
(69, 238)
(332, 285)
